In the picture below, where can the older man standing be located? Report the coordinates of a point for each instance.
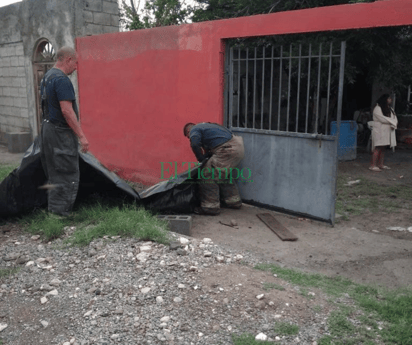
(60, 133)
(225, 151)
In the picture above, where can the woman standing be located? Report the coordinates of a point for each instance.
(383, 132)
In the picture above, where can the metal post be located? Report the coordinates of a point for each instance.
(271, 89)
(298, 97)
(247, 86)
(254, 89)
(238, 87)
(280, 85)
(308, 91)
(318, 91)
(329, 77)
(263, 89)
(341, 79)
(338, 118)
(231, 89)
(289, 82)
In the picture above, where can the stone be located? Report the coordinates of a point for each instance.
(35, 237)
(43, 300)
(53, 293)
(193, 268)
(3, 326)
(118, 312)
(233, 222)
(88, 313)
(181, 251)
(30, 263)
(145, 249)
(177, 300)
(92, 252)
(159, 299)
(181, 286)
(145, 290)
(220, 259)
(115, 336)
(260, 296)
(55, 282)
(207, 254)
(11, 257)
(174, 245)
(261, 336)
(44, 323)
(207, 240)
(165, 319)
(142, 257)
(22, 260)
(260, 305)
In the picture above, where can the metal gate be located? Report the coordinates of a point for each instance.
(282, 101)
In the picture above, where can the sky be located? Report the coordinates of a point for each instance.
(7, 2)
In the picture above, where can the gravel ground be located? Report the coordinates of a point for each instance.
(122, 291)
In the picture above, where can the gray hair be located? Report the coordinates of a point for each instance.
(64, 52)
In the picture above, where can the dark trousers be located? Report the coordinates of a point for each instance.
(60, 161)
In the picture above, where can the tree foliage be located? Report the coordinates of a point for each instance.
(155, 13)
(382, 53)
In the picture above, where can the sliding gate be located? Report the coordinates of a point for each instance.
(283, 101)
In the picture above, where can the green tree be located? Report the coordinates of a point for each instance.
(155, 13)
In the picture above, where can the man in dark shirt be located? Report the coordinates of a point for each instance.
(225, 151)
(60, 133)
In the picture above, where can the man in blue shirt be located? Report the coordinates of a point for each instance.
(225, 151)
(60, 133)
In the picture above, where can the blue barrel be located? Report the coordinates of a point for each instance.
(347, 139)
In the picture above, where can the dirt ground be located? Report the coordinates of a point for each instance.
(361, 248)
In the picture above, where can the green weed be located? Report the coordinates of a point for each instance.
(98, 220)
(247, 339)
(269, 286)
(5, 170)
(368, 196)
(391, 308)
(5, 272)
(285, 328)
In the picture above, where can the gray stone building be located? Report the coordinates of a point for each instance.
(30, 33)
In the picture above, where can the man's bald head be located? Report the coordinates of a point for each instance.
(66, 60)
(65, 52)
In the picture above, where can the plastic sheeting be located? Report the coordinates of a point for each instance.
(19, 192)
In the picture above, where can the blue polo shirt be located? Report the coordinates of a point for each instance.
(208, 136)
(55, 87)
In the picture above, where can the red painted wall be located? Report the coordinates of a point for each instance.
(137, 89)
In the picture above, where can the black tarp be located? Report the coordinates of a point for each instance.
(20, 193)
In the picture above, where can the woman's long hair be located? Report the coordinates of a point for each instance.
(383, 103)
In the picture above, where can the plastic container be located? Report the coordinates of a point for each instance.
(347, 139)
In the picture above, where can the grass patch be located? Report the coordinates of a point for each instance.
(392, 308)
(285, 328)
(248, 339)
(334, 286)
(5, 272)
(368, 196)
(98, 220)
(5, 170)
(270, 286)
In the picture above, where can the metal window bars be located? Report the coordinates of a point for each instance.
(293, 89)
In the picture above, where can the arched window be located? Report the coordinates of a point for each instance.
(44, 58)
(44, 52)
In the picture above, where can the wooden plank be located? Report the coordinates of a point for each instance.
(283, 233)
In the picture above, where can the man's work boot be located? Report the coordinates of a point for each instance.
(236, 205)
(206, 211)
